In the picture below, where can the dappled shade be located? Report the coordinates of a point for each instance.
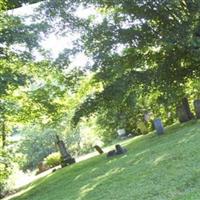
(153, 168)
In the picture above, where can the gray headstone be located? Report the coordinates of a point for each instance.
(63, 149)
(197, 108)
(158, 126)
(65, 155)
(121, 132)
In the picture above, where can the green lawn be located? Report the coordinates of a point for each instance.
(163, 167)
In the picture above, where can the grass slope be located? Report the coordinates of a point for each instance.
(155, 168)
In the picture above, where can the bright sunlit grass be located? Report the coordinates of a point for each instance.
(155, 168)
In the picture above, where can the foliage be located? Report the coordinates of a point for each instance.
(13, 68)
(145, 58)
(53, 159)
(8, 158)
(4, 171)
(12, 4)
(20, 77)
(144, 54)
(35, 144)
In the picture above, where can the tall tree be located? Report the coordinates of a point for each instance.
(151, 45)
(14, 73)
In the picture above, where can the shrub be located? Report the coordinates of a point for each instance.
(53, 159)
(35, 145)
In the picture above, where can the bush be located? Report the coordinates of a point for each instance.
(35, 145)
(53, 159)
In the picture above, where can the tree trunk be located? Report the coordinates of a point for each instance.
(3, 134)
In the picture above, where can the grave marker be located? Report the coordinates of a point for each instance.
(197, 108)
(183, 111)
(98, 149)
(65, 155)
(158, 126)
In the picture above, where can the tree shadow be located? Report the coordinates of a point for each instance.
(97, 177)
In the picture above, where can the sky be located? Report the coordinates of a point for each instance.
(52, 42)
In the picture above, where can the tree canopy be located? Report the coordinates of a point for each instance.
(144, 58)
(151, 45)
(12, 4)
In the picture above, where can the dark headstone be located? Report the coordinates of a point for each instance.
(197, 108)
(66, 158)
(111, 153)
(119, 150)
(158, 126)
(181, 114)
(186, 107)
(183, 111)
(98, 149)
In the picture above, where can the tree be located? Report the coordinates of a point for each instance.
(15, 63)
(150, 46)
(12, 4)
(14, 74)
(35, 144)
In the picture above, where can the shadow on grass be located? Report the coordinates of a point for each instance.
(150, 159)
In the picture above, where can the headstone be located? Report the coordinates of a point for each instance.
(111, 153)
(158, 126)
(120, 149)
(121, 132)
(197, 108)
(183, 111)
(66, 158)
(186, 106)
(181, 114)
(98, 149)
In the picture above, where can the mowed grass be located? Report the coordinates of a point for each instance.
(163, 167)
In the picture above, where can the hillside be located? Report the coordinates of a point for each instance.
(154, 168)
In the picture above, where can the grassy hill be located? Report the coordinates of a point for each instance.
(163, 167)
